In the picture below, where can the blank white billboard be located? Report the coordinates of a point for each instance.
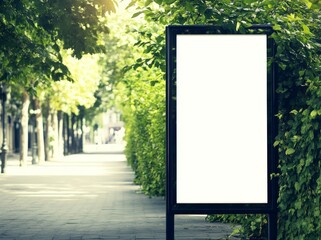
(222, 118)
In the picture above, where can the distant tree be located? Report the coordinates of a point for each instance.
(67, 97)
(32, 35)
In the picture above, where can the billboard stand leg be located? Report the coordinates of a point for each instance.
(170, 218)
(272, 226)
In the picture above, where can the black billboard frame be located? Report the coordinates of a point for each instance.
(172, 207)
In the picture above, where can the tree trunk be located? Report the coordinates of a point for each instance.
(60, 135)
(47, 136)
(65, 133)
(81, 134)
(40, 137)
(69, 134)
(55, 143)
(77, 135)
(24, 129)
(72, 133)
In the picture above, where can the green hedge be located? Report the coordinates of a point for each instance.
(297, 26)
(252, 226)
(145, 126)
(297, 35)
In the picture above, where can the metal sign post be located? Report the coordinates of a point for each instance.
(221, 123)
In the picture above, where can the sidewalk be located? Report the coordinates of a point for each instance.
(87, 196)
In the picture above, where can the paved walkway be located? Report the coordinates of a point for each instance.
(87, 196)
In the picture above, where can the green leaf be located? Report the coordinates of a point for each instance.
(148, 2)
(277, 27)
(137, 14)
(289, 151)
(238, 24)
(306, 29)
(301, 73)
(132, 3)
(308, 3)
(298, 205)
(295, 112)
(158, 1)
(282, 66)
(313, 114)
(276, 143)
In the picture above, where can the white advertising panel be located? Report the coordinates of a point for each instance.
(221, 118)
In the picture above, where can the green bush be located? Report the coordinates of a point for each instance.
(253, 226)
(297, 29)
(145, 124)
(297, 35)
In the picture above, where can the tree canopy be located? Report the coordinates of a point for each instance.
(33, 32)
(66, 95)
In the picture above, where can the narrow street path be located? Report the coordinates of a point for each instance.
(87, 196)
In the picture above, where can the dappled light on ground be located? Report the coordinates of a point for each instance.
(64, 191)
(91, 164)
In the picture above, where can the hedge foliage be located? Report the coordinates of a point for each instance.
(141, 95)
(297, 35)
(145, 137)
(252, 225)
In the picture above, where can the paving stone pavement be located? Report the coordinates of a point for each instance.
(87, 196)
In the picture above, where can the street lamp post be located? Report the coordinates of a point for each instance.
(4, 147)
